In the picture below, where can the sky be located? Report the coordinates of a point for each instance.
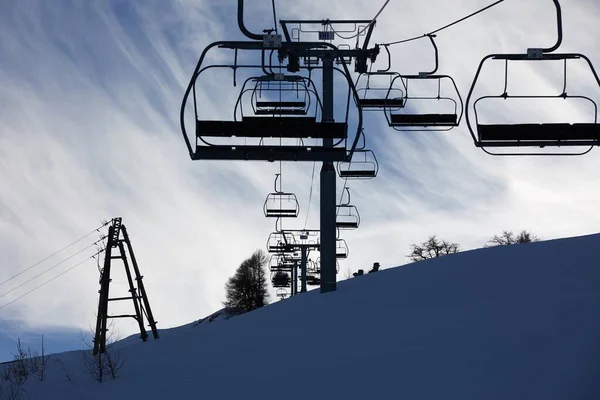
(91, 93)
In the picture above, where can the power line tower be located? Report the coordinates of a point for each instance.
(117, 247)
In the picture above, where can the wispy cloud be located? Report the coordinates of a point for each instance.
(90, 106)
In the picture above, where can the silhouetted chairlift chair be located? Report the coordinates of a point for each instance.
(282, 97)
(541, 135)
(281, 280)
(313, 280)
(282, 293)
(405, 119)
(280, 204)
(341, 249)
(364, 165)
(374, 95)
(280, 242)
(278, 262)
(317, 266)
(347, 216)
(291, 120)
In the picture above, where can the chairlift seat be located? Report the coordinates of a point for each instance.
(358, 173)
(280, 111)
(381, 103)
(281, 104)
(549, 132)
(281, 212)
(423, 119)
(279, 127)
(347, 224)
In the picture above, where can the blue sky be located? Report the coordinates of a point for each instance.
(90, 105)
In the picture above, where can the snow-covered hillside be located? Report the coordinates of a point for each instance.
(514, 322)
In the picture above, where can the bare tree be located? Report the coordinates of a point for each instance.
(99, 365)
(68, 374)
(507, 238)
(432, 248)
(247, 289)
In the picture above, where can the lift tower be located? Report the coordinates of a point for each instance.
(250, 137)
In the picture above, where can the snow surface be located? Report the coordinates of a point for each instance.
(512, 322)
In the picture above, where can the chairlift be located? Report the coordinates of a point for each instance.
(449, 106)
(280, 204)
(289, 96)
(280, 242)
(278, 262)
(279, 106)
(364, 165)
(313, 280)
(374, 95)
(341, 249)
(347, 216)
(555, 134)
(281, 280)
(282, 293)
(315, 267)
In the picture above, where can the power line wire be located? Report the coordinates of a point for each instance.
(55, 253)
(49, 280)
(49, 269)
(445, 26)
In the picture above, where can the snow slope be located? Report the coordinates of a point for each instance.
(515, 322)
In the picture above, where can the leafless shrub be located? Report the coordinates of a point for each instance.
(12, 391)
(102, 364)
(68, 375)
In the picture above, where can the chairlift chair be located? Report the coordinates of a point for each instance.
(513, 135)
(284, 97)
(296, 123)
(341, 249)
(282, 293)
(405, 119)
(278, 262)
(281, 280)
(374, 96)
(280, 204)
(364, 165)
(314, 267)
(347, 216)
(313, 280)
(280, 242)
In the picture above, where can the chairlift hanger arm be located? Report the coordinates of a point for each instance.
(435, 49)
(245, 31)
(558, 27)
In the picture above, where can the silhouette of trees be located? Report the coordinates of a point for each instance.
(507, 238)
(432, 248)
(247, 290)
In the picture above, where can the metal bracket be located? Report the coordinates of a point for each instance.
(272, 41)
(535, 54)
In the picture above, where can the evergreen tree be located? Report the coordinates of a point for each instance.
(247, 290)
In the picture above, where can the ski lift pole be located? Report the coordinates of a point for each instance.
(303, 269)
(328, 194)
